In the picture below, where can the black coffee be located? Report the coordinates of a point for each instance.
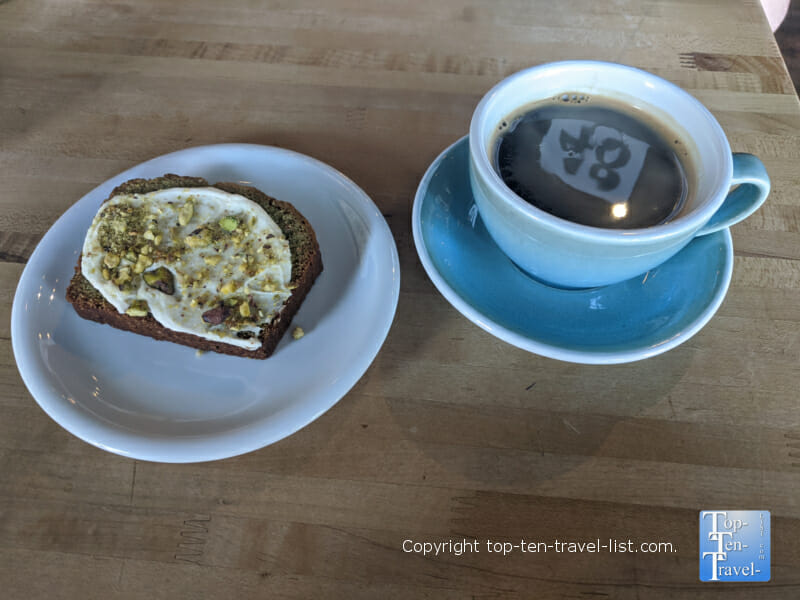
(593, 161)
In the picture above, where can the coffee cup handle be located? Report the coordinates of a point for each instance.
(752, 181)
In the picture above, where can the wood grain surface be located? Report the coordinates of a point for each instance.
(451, 433)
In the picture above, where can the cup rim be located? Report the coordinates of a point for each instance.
(691, 222)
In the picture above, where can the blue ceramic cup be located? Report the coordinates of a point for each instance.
(725, 187)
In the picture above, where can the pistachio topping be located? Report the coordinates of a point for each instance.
(216, 315)
(138, 308)
(199, 238)
(229, 223)
(111, 260)
(186, 213)
(160, 279)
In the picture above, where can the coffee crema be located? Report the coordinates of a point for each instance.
(593, 160)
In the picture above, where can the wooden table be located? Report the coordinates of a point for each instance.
(451, 433)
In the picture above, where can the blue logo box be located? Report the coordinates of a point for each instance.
(734, 545)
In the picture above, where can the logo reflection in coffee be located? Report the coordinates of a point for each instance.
(592, 162)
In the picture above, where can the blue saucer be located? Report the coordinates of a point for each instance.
(628, 321)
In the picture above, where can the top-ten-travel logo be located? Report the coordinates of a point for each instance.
(734, 545)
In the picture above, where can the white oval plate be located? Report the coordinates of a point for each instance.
(159, 401)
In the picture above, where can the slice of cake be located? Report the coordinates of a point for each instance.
(220, 267)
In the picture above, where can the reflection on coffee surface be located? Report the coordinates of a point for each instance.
(591, 161)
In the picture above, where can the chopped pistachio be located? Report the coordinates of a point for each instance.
(229, 223)
(142, 263)
(137, 308)
(123, 275)
(298, 333)
(106, 274)
(111, 260)
(185, 214)
(228, 287)
(244, 309)
(198, 238)
(212, 260)
(216, 315)
(149, 235)
(160, 279)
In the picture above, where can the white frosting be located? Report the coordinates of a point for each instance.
(254, 260)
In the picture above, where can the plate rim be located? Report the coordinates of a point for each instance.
(531, 344)
(172, 449)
